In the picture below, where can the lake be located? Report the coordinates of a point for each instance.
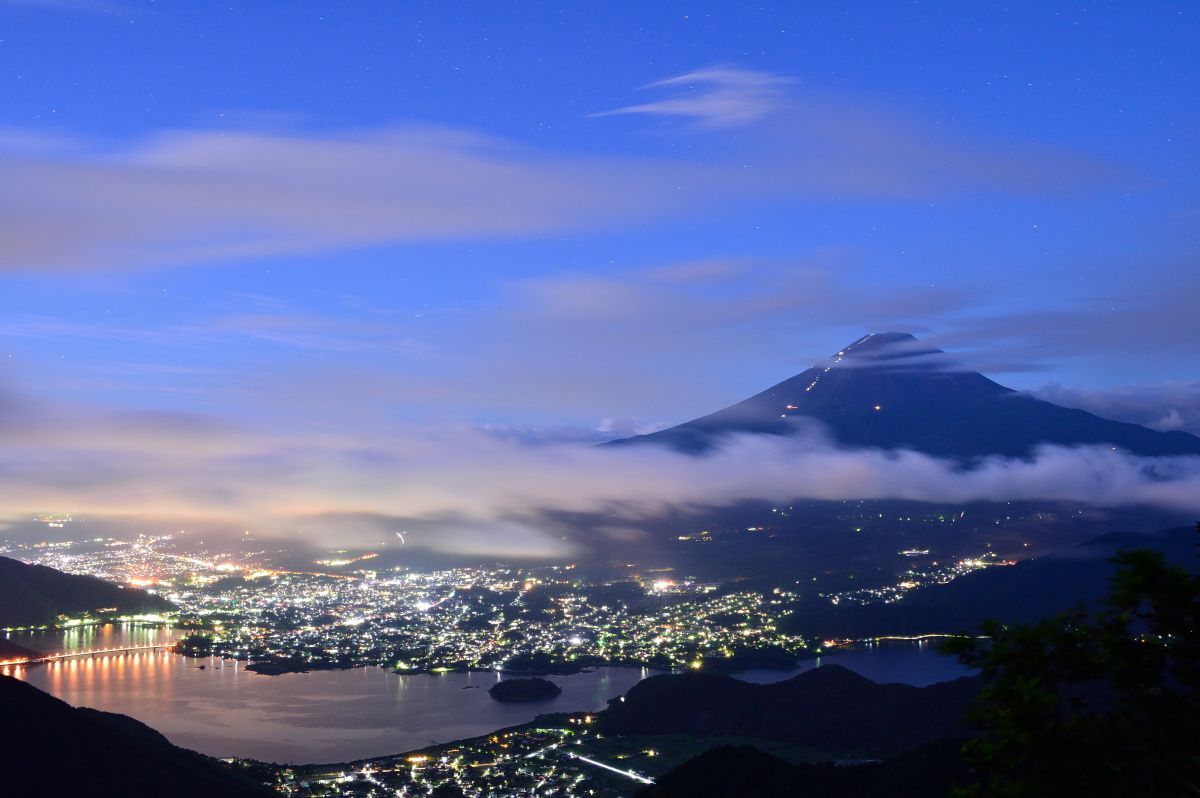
(332, 716)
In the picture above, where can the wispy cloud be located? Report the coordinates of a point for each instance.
(719, 96)
(660, 344)
(1174, 406)
(1155, 322)
(202, 195)
(193, 196)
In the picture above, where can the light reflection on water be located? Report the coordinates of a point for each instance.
(323, 716)
(87, 637)
(329, 716)
(918, 663)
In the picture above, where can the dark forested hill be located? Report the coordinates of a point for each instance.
(11, 651)
(35, 594)
(928, 771)
(51, 748)
(829, 708)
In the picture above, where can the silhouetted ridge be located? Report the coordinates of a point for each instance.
(36, 594)
(52, 748)
(12, 651)
(829, 708)
(746, 772)
(889, 391)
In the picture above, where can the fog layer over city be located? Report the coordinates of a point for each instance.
(472, 491)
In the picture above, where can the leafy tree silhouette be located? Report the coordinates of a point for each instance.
(1102, 703)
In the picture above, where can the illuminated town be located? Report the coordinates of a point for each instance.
(560, 755)
(535, 619)
(341, 612)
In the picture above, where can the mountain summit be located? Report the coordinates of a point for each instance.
(890, 391)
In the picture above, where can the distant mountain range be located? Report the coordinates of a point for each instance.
(1021, 593)
(51, 748)
(887, 390)
(32, 595)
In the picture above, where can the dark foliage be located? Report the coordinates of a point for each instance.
(1102, 703)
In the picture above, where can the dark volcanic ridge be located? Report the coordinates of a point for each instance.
(889, 391)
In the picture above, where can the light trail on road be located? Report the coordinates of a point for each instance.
(627, 773)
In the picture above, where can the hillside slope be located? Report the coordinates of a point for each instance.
(829, 708)
(52, 748)
(35, 594)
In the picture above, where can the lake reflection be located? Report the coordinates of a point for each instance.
(331, 716)
(109, 635)
(323, 716)
(916, 663)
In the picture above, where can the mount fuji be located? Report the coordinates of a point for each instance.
(890, 391)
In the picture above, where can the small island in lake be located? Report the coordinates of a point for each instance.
(534, 689)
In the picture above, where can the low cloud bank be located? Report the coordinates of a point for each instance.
(1175, 406)
(471, 491)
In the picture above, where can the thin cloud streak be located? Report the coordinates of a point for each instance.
(717, 97)
(1174, 406)
(196, 196)
(655, 346)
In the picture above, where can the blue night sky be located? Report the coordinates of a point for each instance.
(324, 219)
